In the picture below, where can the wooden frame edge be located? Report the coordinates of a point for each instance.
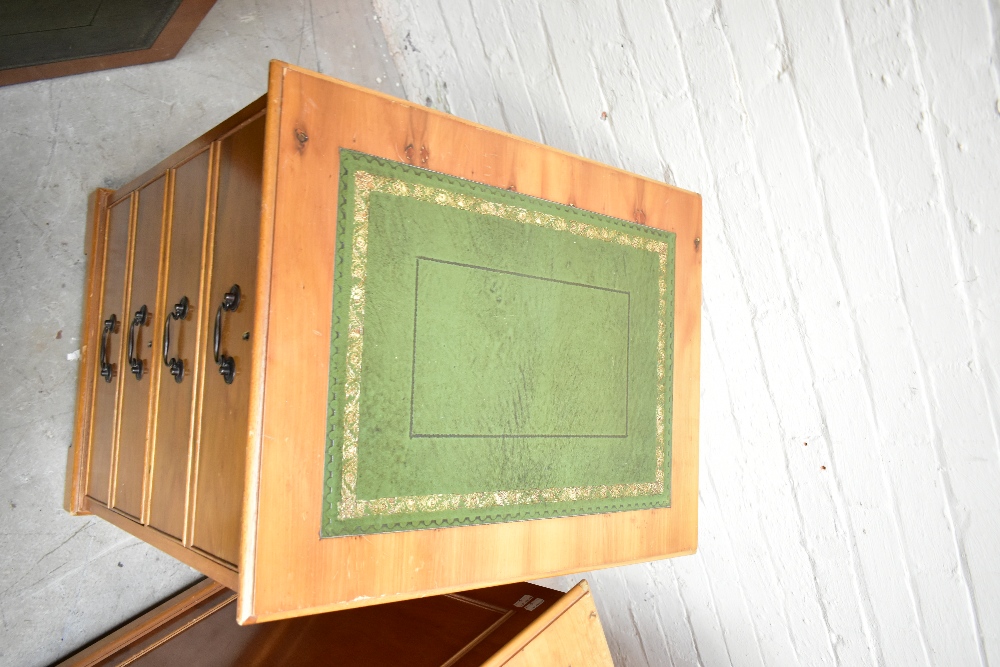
(251, 488)
(204, 285)
(210, 568)
(548, 617)
(698, 221)
(169, 42)
(79, 449)
(133, 222)
(450, 590)
(153, 619)
(153, 406)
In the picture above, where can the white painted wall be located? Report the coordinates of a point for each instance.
(848, 154)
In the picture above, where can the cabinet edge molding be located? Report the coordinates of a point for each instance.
(76, 460)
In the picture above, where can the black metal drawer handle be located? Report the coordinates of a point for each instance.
(227, 365)
(179, 312)
(107, 369)
(134, 362)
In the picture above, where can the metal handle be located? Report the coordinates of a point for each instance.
(133, 361)
(107, 369)
(179, 312)
(227, 365)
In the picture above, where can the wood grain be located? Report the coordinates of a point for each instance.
(129, 479)
(286, 569)
(95, 241)
(265, 247)
(198, 627)
(416, 633)
(174, 416)
(506, 597)
(221, 463)
(568, 633)
(155, 625)
(100, 443)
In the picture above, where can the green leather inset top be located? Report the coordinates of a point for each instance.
(468, 320)
(495, 357)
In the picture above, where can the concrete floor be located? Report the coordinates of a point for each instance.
(66, 580)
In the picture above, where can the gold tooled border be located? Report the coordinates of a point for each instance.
(350, 507)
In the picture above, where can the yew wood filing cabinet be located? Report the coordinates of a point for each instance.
(343, 350)
(516, 625)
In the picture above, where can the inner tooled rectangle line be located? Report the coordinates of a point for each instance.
(628, 353)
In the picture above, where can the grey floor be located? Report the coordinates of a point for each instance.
(65, 580)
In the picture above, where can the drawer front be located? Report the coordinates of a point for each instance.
(224, 422)
(108, 370)
(177, 357)
(143, 330)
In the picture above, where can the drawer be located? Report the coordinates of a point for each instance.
(419, 356)
(104, 375)
(179, 356)
(141, 341)
(227, 345)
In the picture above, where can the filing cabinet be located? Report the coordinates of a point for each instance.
(343, 350)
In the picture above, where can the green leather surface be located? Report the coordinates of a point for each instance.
(495, 357)
(488, 360)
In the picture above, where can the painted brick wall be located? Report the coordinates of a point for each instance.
(848, 154)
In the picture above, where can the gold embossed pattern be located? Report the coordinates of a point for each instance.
(350, 506)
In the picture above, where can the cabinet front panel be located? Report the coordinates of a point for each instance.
(109, 353)
(225, 405)
(142, 330)
(175, 402)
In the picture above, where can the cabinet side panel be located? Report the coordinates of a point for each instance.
(132, 436)
(575, 638)
(172, 430)
(568, 633)
(218, 499)
(102, 430)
